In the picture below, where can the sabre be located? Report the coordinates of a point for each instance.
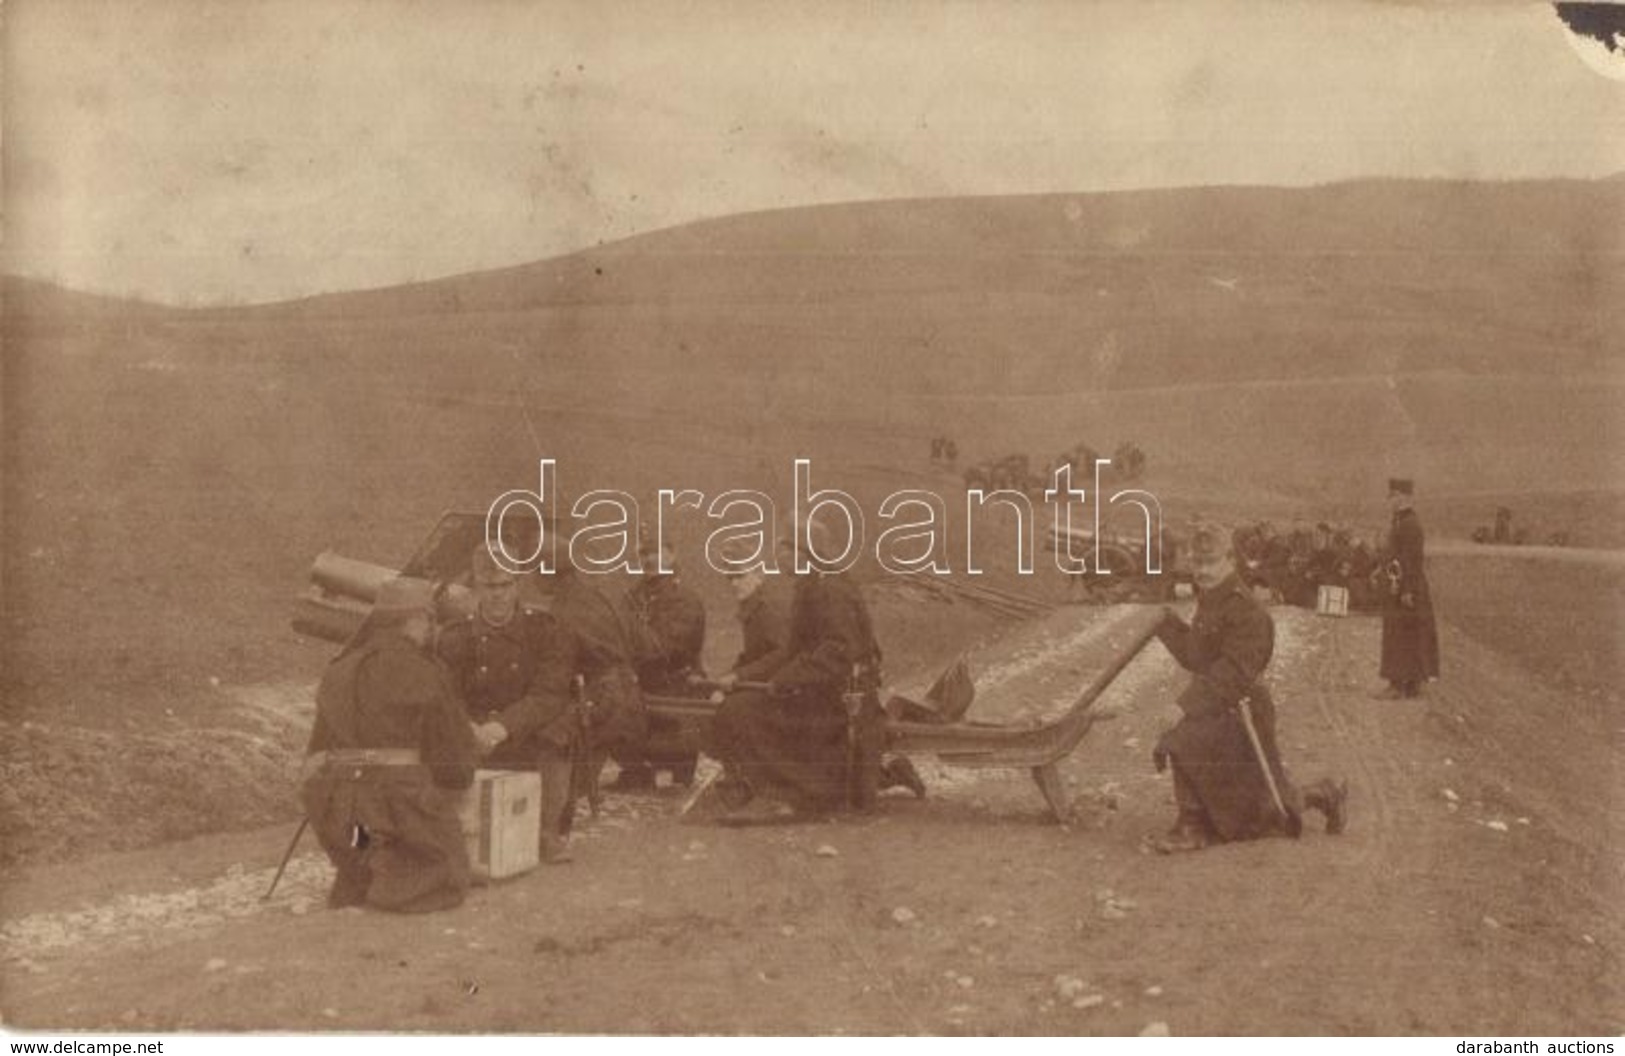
(286, 855)
(1246, 714)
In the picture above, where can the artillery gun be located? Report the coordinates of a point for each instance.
(337, 603)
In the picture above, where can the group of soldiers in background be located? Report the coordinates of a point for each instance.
(1293, 565)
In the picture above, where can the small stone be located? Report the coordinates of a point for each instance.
(1492, 923)
(1450, 795)
(1451, 807)
(1089, 1001)
(902, 915)
(1523, 821)
(960, 1010)
(330, 1013)
(1588, 940)
(974, 950)
(1158, 1029)
(1068, 987)
(1110, 911)
(214, 680)
(826, 851)
(1449, 762)
(1498, 825)
(1131, 742)
(695, 846)
(214, 964)
(1153, 991)
(966, 982)
(987, 920)
(787, 930)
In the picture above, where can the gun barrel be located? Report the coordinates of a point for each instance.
(338, 574)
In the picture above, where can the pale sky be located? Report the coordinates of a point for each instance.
(197, 152)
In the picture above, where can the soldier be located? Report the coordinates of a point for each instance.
(673, 622)
(515, 668)
(389, 752)
(1219, 783)
(795, 741)
(1410, 641)
(609, 641)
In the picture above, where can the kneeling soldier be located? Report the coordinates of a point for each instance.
(390, 751)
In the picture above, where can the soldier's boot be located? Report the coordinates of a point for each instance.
(557, 804)
(1190, 832)
(682, 770)
(899, 772)
(349, 887)
(1332, 802)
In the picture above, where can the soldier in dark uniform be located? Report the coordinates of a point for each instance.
(610, 641)
(1410, 641)
(515, 668)
(389, 753)
(796, 742)
(673, 623)
(1219, 783)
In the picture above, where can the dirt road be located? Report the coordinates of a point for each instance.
(1476, 892)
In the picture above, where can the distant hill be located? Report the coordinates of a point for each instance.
(1305, 342)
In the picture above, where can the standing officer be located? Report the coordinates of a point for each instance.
(1410, 641)
(515, 668)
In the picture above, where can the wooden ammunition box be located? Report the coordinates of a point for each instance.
(1332, 601)
(501, 818)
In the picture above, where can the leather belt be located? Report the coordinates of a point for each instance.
(365, 757)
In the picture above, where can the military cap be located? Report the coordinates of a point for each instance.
(1401, 486)
(484, 563)
(1210, 541)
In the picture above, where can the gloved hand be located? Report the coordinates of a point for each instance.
(1407, 600)
(727, 681)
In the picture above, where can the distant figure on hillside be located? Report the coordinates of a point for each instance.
(1220, 748)
(389, 753)
(1410, 641)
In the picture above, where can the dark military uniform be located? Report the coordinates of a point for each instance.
(792, 742)
(1218, 783)
(674, 619)
(764, 621)
(388, 823)
(1410, 640)
(522, 674)
(609, 643)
